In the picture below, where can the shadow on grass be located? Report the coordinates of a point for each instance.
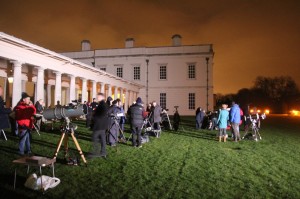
(203, 134)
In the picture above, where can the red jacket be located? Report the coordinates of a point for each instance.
(24, 115)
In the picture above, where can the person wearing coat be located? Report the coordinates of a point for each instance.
(235, 119)
(100, 125)
(25, 111)
(156, 116)
(222, 122)
(199, 118)
(4, 113)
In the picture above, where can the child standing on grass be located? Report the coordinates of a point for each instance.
(222, 122)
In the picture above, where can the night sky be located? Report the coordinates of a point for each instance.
(250, 37)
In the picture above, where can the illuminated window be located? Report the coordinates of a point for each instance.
(163, 72)
(191, 71)
(192, 101)
(120, 72)
(163, 100)
(136, 73)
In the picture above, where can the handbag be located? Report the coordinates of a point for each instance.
(41, 183)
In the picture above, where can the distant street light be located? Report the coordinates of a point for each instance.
(207, 87)
(147, 81)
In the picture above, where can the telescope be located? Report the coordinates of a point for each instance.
(65, 112)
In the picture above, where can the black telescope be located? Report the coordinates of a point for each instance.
(64, 112)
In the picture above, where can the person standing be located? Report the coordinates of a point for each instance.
(113, 129)
(137, 115)
(4, 112)
(39, 106)
(235, 119)
(156, 115)
(199, 118)
(222, 122)
(25, 111)
(176, 120)
(122, 121)
(100, 121)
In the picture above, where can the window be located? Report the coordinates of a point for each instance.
(103, 68)
(163, 72)
(163, 100)
(191, 71)
(120, 72)
(136, 73)
(191, 100)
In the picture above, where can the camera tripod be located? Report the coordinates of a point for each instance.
(67, 129)
(254, 129)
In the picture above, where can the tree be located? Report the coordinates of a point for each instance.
(280, 92)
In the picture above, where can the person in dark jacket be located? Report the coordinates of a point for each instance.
(199, 118)
(4, 112)
(137, 115)
(176, 120)
(101, 122)
(25, 111)
(113, 129)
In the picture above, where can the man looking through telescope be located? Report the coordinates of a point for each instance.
(101, 122)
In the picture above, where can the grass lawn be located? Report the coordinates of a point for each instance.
(183, 164)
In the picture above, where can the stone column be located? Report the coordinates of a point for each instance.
(84, 90)
(49, 96)
(94, 89)
(102, 88)
(57, 96)
(121, 95)
(24, 85)
(109, 91)
(40, 84)
(72, 88)
(116, 93)
(17, 83)
(126, 101)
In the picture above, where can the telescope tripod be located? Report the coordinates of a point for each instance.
(255, 131)
(67, 129)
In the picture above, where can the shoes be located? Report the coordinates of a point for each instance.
(92, 155)
(140, 146)
(113, 145)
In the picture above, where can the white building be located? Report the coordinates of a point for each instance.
(176, 75)
(44, 74)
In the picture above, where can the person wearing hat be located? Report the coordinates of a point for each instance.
(137, 115)
(25, 111)
(222, 122)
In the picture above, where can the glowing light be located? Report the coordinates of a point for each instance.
(267, 111)
(295, 113)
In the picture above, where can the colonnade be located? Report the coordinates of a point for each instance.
(41, 86)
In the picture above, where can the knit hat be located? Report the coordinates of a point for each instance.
(139, 100)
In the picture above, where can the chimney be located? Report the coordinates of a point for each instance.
(85, 45)
(129, 43)
(176, 40)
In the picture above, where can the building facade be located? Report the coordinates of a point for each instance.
(175, 75)
(44, 74)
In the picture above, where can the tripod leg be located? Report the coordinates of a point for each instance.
(77, 146)
(66, 146)
(59, 144)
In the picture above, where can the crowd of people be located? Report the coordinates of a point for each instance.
(106, 118)
(226, 119)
